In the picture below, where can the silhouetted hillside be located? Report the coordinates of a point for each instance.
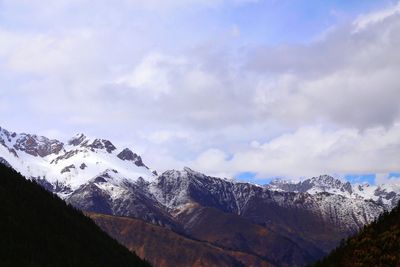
(39, 229)
(378, 245)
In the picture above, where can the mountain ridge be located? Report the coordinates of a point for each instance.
(310, 216)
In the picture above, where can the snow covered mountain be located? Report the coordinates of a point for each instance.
(183, 192)
(306, 218)
(63, 168)
(387, 195)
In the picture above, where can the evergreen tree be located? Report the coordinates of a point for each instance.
(39, 229)
(377, 244)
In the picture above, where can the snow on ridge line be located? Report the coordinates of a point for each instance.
(74, 165)
(83, 158)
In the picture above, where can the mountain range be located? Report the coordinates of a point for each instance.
(283, 223)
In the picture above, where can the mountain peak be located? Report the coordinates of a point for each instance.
(322, 183)
(327, 179)
(188, 170)
(128, 155)
(31, 144)
(77, 139)
(37, 145)
(83, 141)
(184, 173)
(99, 144)
(68, 166)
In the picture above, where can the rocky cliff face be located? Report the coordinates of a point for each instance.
(37, 146)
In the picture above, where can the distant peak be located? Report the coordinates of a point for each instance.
(322, 183)
(278, 181)
(77, 139)
(177, 175)
(102, 144)
(83, 141)
(187, 169)
(327, 180)
(324, 178)
(5, 134)
(79, 135)
(128, 155)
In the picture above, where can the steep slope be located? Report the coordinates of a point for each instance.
(312, 221)
(322, 219)
(167, 248)
(110, 193)
(378, 244)
(39, 229)
(91, 174)
(236, 233)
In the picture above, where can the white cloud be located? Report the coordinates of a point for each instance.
(46, 54)
(387, 178)
(312, 151)
(211, 160)
(365, 20)
(208, 104)
(159, 137)
(153, 74)
(345, 78)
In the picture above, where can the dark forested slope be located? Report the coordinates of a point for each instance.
(39, 229)
(378, 244)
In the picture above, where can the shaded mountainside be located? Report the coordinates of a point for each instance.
(39, 229)
(314, 224)
(167, 248)
(377, 244)
(237, 233)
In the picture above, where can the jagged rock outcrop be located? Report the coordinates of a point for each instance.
(128, 155)
(31, 144)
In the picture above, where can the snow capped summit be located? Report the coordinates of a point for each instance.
(30, 144)
(65, 168)
(128, 155)
(68, 166)
(387, 195)
(77, 139)
(80, 140)
(323, 183)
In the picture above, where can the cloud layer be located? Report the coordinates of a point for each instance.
(182, 94)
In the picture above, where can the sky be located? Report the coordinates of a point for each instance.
(252, 89)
